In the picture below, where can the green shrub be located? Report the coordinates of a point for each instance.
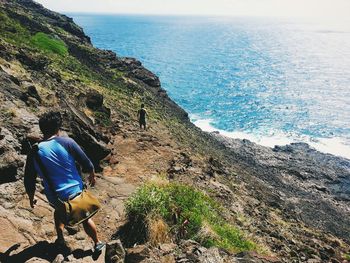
(177, 204)
(48, 43)
(346, 257)
(12, 31)
(231, 237)
(103, 118)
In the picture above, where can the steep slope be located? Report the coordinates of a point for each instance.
(292, 201)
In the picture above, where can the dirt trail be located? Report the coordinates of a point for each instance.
(138, 155)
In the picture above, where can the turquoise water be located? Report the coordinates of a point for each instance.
(271, 81)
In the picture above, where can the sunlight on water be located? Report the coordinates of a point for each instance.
(271, 81)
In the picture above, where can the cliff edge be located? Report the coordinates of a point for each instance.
(291, 202)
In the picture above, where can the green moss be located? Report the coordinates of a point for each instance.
(48, 43)
(346, 257)
(231, 237)
(10, 113)
(103, 118)
(12, 31)
(176, 204)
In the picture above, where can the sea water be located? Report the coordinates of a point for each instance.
(272, 81)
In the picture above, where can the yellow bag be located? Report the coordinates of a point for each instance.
(78, 209)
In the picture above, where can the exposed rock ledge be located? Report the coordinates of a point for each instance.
(313, 186)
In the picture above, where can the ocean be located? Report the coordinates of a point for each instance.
(272, 81)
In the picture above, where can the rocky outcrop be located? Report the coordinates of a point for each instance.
(94, 101)
(136, 70)
(191, 251)
(10, 160)
(312, 186)
(33, 62)
(115, 252)
(19, 9)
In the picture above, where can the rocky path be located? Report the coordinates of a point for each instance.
(27, 235)
(138, 155)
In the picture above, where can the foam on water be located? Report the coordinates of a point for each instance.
(336, 146)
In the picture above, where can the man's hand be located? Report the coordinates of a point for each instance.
(92, 179)
(32, 202)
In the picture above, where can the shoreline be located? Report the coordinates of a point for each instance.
(334, 146)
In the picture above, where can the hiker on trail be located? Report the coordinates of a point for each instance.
(141, 114)
(54, 160)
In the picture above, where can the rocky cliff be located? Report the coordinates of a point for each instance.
(292, 201)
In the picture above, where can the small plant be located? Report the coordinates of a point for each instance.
(346, 257)
(103, 118)
(48, 43)
(10, 113)
(189, 213)
(158, 230)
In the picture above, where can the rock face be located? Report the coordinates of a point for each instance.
(94, 100)
(313, 186)
(191, 251)
(10, 161)
(115, 252)
(137, 71)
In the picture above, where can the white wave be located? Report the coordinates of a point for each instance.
(336, 146)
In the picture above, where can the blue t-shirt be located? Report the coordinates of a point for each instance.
(58, 156)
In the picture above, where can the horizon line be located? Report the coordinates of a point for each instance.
(192, 15)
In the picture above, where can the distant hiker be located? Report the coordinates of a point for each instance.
(141, 114)
(54, 160)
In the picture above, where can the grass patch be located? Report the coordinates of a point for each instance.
(103, 118)
(12, 31)
(10, 113)
(190, 214)
(48, 43)
(346, 257)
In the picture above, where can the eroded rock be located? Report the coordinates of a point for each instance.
(10, 160)
(94, 100)
(115, 252)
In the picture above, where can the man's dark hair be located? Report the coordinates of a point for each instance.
(50, 123)
(142, 105)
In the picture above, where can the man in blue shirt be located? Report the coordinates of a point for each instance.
(59, 155)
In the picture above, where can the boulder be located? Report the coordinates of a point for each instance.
(211, 255)
(87, 136)
(32, 92)
(137, 253)
(32, 62)
(94, 100)
(136, 70)
(9, 86)
(10, 160)
(145, 76)
(115, 252)
(96, 150)
(8, 170)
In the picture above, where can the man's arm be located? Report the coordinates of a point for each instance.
(30, 175)
(83, 160)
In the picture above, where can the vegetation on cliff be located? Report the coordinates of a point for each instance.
(189, 213)
(48, 43)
